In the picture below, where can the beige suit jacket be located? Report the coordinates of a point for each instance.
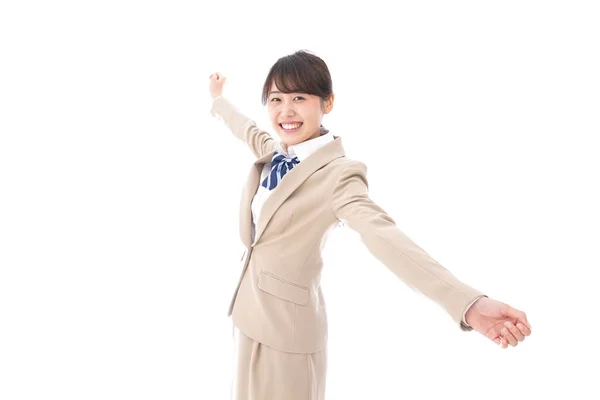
(278, 300)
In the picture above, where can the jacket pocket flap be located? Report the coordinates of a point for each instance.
(283, 289)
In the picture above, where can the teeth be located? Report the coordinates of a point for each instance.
(287, 126)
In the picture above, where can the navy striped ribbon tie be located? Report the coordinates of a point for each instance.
(280, 165)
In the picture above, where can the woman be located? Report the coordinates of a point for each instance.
(298, 189)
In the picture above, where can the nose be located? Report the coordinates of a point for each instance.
(288, 110)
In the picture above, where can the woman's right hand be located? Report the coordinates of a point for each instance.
(215, 87)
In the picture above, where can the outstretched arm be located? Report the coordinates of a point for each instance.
(260, 142)
(351, 203)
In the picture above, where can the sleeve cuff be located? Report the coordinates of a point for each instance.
(214, 107)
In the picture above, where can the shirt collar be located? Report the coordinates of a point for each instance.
(304, 149)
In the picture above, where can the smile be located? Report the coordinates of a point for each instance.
(290, 127)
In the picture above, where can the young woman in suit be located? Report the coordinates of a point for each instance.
(297, 190)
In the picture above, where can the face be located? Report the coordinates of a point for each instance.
(293, 109)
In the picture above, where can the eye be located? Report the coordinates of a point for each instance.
(277, 98)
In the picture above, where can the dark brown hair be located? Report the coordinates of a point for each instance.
(300, 72)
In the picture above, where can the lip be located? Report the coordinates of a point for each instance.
(290, 122)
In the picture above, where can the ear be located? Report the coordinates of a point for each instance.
(328, 104)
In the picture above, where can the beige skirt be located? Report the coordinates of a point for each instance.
(263, 373)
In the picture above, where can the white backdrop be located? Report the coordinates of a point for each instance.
(119, 244)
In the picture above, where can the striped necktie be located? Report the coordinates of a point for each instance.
(280, 165)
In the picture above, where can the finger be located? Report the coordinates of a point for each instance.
(525, 330)
(516, 332)
(500, 341)
(509, 336)
(519, 315)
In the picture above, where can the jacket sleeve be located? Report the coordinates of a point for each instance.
(351, 204)
(259, 141)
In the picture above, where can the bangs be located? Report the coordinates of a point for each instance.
(300, 72)
(289, 80)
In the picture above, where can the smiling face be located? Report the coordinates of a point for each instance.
(296, 117)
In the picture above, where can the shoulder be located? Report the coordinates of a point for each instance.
(346, 165)
(345, 170)
(339, 165)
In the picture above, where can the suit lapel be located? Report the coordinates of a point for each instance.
(248, 194)
(290, 182)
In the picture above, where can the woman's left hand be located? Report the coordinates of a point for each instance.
(498, 322)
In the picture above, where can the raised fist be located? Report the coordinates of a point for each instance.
(215, 87)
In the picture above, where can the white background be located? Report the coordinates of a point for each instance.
(119, 243)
